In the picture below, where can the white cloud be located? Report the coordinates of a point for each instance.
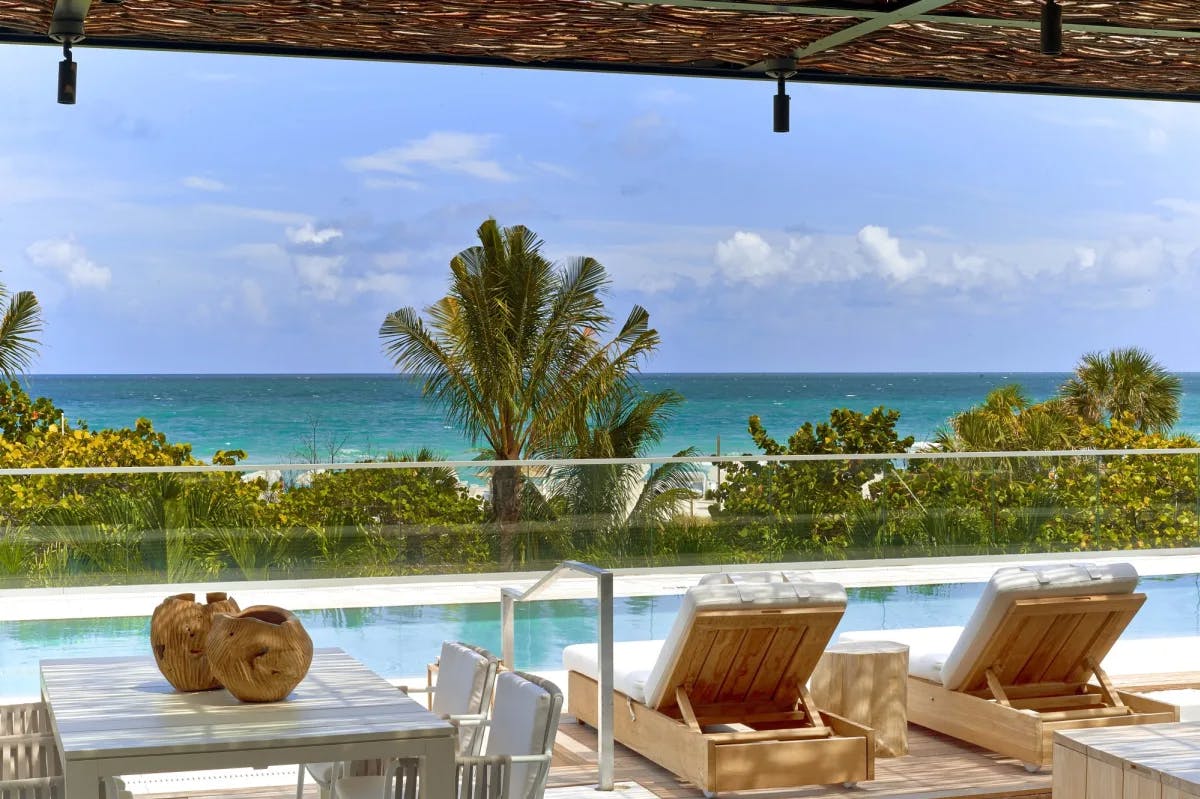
(558, 170)
(320, 275)
(448, 151)
(1179, 205)
(388, 284)
(748, 257)
(271, 215)
(1085, 258)
(255, 251)
(309, 234)
(392, 183)
(883, 250)
(391, 261)
(71, 260)
(254, 301)
(203, 184)
(1139, 262)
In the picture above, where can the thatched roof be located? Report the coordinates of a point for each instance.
(1119, 48)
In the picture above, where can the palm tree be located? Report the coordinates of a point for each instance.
(513, 352)
(1123, 381)
(21, 322)
(616, 500)
(1007, 421)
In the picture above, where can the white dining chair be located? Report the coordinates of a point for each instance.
(459, 684)
(30, 767)
(516, 756)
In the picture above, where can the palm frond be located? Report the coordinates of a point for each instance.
(19, 326)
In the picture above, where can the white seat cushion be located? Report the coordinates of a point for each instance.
(632, 661)
(1028, 582)
(735, 578)
(520, 726)
(732, 597)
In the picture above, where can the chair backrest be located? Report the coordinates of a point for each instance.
(1037, 624)
(749, 642)
(29, 762)
(524, 722)
(466, 675)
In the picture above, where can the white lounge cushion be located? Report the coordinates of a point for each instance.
(1168, 655)
(928, 647)
(736, 578)
(1186, 699)
(1028, 582)
(732, 597)
(632, 661)
(520, 723)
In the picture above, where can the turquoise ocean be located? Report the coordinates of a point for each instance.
(271, 416)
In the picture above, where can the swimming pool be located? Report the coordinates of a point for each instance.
(399, 641)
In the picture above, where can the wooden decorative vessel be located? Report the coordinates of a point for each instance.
(179, 634)
(259, 654)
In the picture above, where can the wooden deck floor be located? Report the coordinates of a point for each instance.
(936, 767)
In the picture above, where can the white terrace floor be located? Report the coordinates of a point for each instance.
(138, 600)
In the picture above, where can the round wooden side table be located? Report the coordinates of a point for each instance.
(867, 682)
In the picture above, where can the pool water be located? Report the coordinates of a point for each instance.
(400, 641)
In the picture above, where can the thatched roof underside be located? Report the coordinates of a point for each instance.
(1118, 48)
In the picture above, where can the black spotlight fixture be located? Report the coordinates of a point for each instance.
(66, 76)
(782, 69)
(66, 26)
(1051, 28)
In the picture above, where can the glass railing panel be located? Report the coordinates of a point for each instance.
(386, 520)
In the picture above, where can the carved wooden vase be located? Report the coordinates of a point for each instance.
(260, 654)
(178, 635)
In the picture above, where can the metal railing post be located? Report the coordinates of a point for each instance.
(604, 729)
(508, 608)
(509, 597)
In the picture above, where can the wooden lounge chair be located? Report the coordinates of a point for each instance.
(1023, 666)
(722, 702)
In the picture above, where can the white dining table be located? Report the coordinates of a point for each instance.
(114, 716)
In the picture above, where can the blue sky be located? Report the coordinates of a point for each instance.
(202, 213)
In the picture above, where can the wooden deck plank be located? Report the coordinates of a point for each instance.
(937, 767)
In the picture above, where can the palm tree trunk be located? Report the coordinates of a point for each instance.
(506, 506)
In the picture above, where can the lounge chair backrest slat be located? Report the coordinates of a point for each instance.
(734, 644)
(1052, 640)
(1041, 624)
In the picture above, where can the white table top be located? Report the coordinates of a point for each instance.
(106, 707)
(1170, 752)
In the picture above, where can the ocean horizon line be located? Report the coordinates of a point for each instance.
(981, 373)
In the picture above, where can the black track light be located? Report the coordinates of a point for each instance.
(781, 69)
(66, 76)
(783, 115)
(1052, 31)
